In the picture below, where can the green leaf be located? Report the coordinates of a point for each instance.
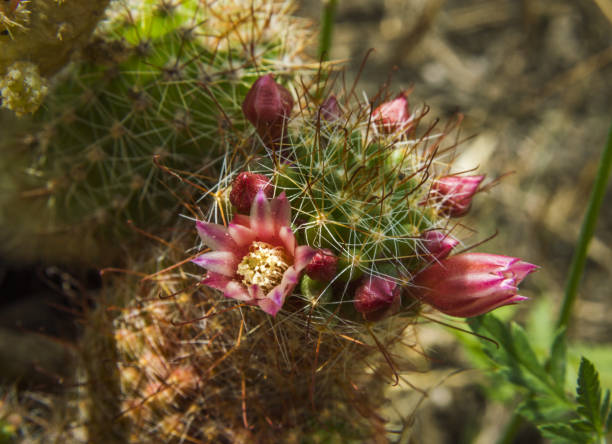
(589, 393)
(604, 411)
(564, 433)
(545, 409)
(557, 363)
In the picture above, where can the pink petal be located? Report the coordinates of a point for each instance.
(215, 236)
(303, 256)
(242, 235)
(288, 239)
(242, 219)
(255, 292)
(281, 211)
(261, 217)
(521, 269)
(216, 281)
(235, 290)
(275, 299)
(223, 262)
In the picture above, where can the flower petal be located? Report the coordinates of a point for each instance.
(216, 281)
(281, 211)
(261, 217)
(288, 239)
(242, 235)
(235, 290)
(215, 236)
(303, 256)
(275, 298)
(223, 262)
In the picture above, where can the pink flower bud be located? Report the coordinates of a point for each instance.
(392, 116)
(437, 245)
(267, 105)
(330, 110)
(323, 266)
(454, 193)
(244, 189)
(471, 284)
(376, 297)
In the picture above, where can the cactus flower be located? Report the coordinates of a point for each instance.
(323, 266)
(267, 105)
(255, 259)
(393, 115)
(245, 187)
(455, 193)
(376, 297)
(437, 245)
(470, 284)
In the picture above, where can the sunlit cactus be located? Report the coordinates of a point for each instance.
(157, 91)
(41, 36)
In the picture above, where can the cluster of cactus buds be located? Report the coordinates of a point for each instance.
(368, 201)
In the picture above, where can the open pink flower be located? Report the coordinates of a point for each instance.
(470, 284)
(255, 259)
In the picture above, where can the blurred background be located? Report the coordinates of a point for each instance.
(534, 81)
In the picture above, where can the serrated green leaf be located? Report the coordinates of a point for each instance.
(545, 409)
(564, 433)
(589, 393)
(525, 353)
(557, 363)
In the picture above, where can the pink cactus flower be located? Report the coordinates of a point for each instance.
(267, 106)
(377, 297)
(470, 284)
(393, 115)
(455, 193)
(245, 187)
(323, 266)
(437, 245)
(255, 259)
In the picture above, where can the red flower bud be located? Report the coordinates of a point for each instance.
(244, 189)
(267, 105)
(470, 284)
(376, 297)
(330, 110)
(454, 193)
(323, 266)
(392, 116)
(437, 245)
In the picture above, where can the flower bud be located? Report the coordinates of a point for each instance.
(330, 110)
(377, 297)
(393, 115)
(471, 284)
(454, 193)
(323, 266)
(437, 245)
(244, 189)
(267, 105)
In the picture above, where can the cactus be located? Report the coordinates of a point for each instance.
(193, 366)
(157, 89)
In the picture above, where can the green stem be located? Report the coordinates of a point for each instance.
(586, 233)
(327, 29)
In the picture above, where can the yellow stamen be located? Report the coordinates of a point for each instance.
(263, 266)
